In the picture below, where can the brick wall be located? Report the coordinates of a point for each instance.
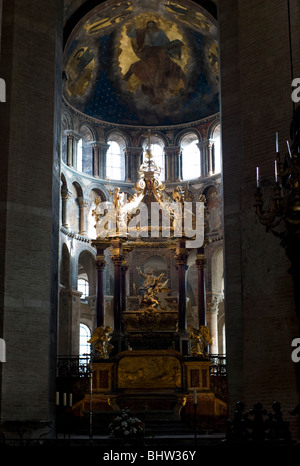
(255, 103)
(30, 155)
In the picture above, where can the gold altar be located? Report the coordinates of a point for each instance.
(150, 362)
(158, 383)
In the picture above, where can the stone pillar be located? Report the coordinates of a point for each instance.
(127, 166)
(181, 256)
(200, 262)
(69, 316)
(203, 157)
(210, 158)
(30, 129)
(82, 216)
(96, 159)
(100, 246)
(178, 166)
(172, 159)
(135, 160)
(103, 147)
(212, 320)
(64, 210)
(70, 149)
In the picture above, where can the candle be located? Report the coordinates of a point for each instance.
(195, 396)
(289, 150)
(57, 398)
(257, 177)
(276, 171)
(70, 400)
(277, 142)
(65, 399)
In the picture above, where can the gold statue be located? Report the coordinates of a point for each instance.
(152, 287)
(100, 342)
(200, 339)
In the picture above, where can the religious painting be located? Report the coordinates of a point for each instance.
(143, 63)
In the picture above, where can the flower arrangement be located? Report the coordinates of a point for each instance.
(126, 426)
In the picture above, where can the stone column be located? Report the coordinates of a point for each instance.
(203, 157)
(172, 159)
(210, 158)
(70, 150)
(96, 159)
(82, 216)
(127, 166)
(200, 262)
(212, 320)
(181, 256)
(64, 211)
(134, 162)
(103, 147)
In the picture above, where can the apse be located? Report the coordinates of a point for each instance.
(146, 63)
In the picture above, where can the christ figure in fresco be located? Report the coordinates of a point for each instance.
(159, 75)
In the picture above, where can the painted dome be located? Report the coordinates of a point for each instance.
(144, 63)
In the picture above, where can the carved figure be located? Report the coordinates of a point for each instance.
(100, 342)
(200, 339)
(152, 287)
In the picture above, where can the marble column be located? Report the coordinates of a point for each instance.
(100, 265)
(117, 259)
(201, 262)
(124, 268)
(181, 256)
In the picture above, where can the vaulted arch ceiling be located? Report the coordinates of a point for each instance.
(143, 63)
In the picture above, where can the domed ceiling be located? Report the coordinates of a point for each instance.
(145, 63)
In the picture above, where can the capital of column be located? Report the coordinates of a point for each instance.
(117, 259)
(100, 264)
(65, 194)
(82, 202)
(181, 253)
(200, 261)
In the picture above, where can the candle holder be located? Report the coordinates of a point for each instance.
(284, 206)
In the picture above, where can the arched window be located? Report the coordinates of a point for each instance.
(83, 286)
(157, 149)
(217, 149)
(84, 337)
(115, 159)
(191, 162)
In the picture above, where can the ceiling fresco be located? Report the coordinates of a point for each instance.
(144, 63)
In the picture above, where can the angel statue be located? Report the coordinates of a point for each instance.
(100, 342)
(200, 339)
(152, 287)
